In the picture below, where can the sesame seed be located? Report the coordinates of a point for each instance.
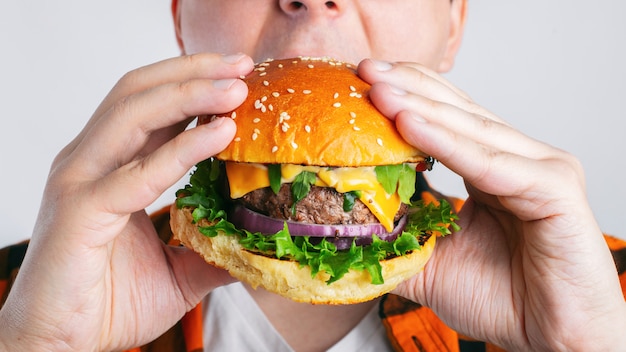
(256, 130)
(290, 90)
(256, 120)
(242, 77)
(262, 74)
(337, 104)
(336, 95)
(261, 68)
(284, 127)
(352, 89)
(280, 65)
(356, 128)
(379, 141)
(264, 99)
(266, 83)
(257, 104)
(275, 94)
(310, 66)
(233, 115)
(294, 145)
(274, 149)
(306, 91)
(263, 108)
(307, 128)
(237, 139)
(284, 116)
(271, 107)
(352, 121)
(352, 114)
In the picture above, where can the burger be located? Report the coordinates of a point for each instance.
(314, 197)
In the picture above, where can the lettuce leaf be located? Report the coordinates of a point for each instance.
(400, 178)
(301, 186)
(274, 173)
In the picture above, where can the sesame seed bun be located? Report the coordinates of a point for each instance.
(313, 112)
(288, 278)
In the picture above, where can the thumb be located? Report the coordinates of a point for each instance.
(194, 276)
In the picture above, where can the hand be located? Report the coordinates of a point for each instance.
(96, 276)
(530, 269)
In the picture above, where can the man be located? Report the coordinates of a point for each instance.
(529, 270)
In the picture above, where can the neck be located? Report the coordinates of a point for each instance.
(308, 327)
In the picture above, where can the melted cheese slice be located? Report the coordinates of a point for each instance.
(345, 179)
(382, 205)
(244, 178)
(247, 177)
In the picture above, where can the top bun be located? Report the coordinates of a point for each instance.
(313, 111)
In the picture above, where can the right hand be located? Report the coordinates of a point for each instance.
(96, 275)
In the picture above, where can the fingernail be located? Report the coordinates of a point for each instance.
(233, 58)
(382, 66)
(397, 91)
(224, 84)
(216, 122)
(417, 118)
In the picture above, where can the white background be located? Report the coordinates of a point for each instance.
(556, 70)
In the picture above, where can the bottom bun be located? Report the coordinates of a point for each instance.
(287, 278)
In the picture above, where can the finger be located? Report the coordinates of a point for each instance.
(462, 155)
(479, 128)
(123, 132)
(417, 79)
(379, 71)
(139, 183)
(527, 182)
(178, 69)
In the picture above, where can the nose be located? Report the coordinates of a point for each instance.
(310, 7)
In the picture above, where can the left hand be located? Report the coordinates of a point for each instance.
(529, 269)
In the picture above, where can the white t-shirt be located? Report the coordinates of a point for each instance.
(234, 322)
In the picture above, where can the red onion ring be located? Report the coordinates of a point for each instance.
(341, 235)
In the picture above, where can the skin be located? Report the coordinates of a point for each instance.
(528, 271)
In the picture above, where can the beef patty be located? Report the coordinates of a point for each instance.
(322, 205)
